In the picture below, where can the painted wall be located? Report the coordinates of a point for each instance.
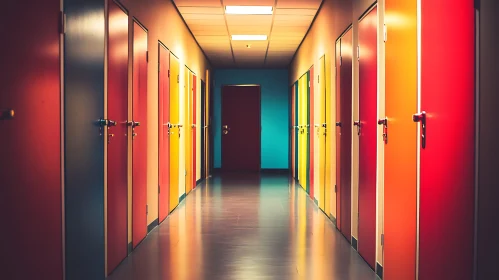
(274, 110)
(332, 20)
(163, 23)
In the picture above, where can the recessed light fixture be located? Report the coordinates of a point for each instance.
(249, 10)
(249, 37)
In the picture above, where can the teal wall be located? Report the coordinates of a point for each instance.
(274, 110)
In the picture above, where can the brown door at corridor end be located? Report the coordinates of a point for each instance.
(241, 128)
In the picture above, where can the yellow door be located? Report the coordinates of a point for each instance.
(174, 130)
(303, 108)
(187, 130)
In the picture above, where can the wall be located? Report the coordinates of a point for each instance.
(274, 110)
(333, 19)
(163, 23)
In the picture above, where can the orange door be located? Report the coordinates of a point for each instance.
(117, 146)
(400, 193)
(138, 125)
(164, 132)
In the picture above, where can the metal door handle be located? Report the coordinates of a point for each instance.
(111, 123)
(384, 123)
(7, 114)
(357, 123)
(133, 123)
(338, 124)
(193, 125)
(421, 118)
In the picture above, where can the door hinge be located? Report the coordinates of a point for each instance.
(159, 188)
(62, 22)
(147, 209)
(318, 78)
(178, 79)
(335, 188)
(385, 33)
(358, 52)
(159, 67)
(382, 239)
(147, 56)
(341, 60)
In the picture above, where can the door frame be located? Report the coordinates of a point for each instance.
(202, 125)
(259, 118)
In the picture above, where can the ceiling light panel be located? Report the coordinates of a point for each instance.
(198, 3)
(303, 4)
(249, 10)
(249, 37)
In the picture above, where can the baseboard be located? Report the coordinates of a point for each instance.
(151, 226)
(333, 219)
(130, 248)
(379, 270)
(182, 198)
(199, 181)
(316, 201)
(274, 171)
(354, 243)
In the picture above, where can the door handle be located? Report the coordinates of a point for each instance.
(133, 123)
(357, 124)
(7, 114)
(111, 123)
(384, 123)
(338, 124)
(421, 118)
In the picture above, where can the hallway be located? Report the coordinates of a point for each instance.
(218, 233)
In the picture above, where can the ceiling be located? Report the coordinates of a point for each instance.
(285, 29)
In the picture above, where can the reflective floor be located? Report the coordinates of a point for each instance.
(245, 227)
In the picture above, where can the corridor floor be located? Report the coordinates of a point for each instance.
(244, 226)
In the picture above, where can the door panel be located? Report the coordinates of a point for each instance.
(194, 130)
(400, 193)
(187, 130)
(241, 137)
(174, 131)
(344, 105)
(117, 144)
(203, 129)
(367, 139)
(447, 160)
(138, 126)
(339, 221)
(323, 108)
(84, 134)
(303, 121)
(292, 132)
(311, 134)
(297, 130)
(30, 141)
(164, 132)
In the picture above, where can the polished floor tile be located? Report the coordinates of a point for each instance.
(243, 226)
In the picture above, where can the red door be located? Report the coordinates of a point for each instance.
(194, 130)
(313, 129)
(368, 75)
(164, 132)
(344, 133)
(241, 128)
(117, 112)
(138, 126)
(447, 157)
(30, 141)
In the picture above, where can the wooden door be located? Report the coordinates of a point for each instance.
(241, 128)
(174, 131)
(322, 126)
(447, 140)
(138, 126)
(194, 129)
(30, 141)
(367, 127)
(117, 139)
(400, 186)
(164, 132)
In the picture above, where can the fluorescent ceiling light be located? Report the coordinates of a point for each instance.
(249, 10)
(249, 37)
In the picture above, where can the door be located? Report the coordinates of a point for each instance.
(322, 123)
(344, 132)
(187, 130)
(138, 128)
(400, 192)
(174, 131)
(367, 128)
(311, 131)
(203, 130)
(303, 122)
(194, 142)
(30, 129)
(292, 131)
(297, 130)
(241, 128)
(117, 140)
(164, 132)
(447, 152)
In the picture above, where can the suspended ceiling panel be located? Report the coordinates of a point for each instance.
(213, 30)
